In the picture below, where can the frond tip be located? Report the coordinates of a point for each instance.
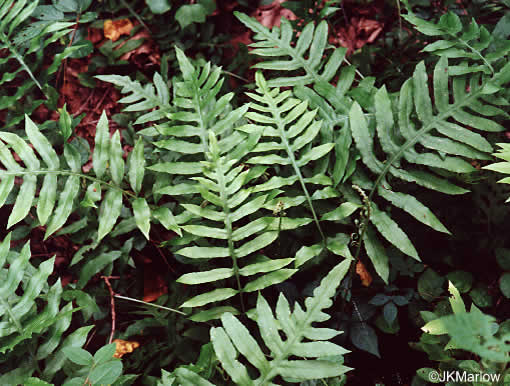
(302, 339)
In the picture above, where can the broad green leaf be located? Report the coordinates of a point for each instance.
(105, 353)
(142, 214)
(392, 232)
(109, 212)
(23, 201)
(377, 254)
(265, 266)
(106, 373)
(344, 210)
(101, 146)
(306, 253)
(136, 163)
(78, 355)
(47, 198)
(116, 161)
(65, 205)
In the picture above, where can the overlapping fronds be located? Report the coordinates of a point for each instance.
(25, 44)
(53, 211)
(319, 358)
(306, 56)
(290, 131)
(425, 139)
(321, 71)
(231, 201)
(198, 110)
(20, 316)
(470, 44)
(33, 318)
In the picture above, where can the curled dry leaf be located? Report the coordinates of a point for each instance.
(114, 29)
(124, 347)
(364, 275)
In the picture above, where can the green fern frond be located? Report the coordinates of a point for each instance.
(277, 115)
(306, 56)
(315, 86)
(25, 44)
(54, 212)
(444, 129)
(143, 98)
(198, 111)
(20, 318)
(231, 201)
(321, 358)
(471, 43)
(33, 318)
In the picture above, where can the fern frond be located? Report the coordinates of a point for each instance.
(25, 44)
(306, 56)
(444, 129)
(277, 115)
(54, 212)
(316, 85)
(143, 98)
(322, 359)
(20, 317)
(231, 201)
(470, 43)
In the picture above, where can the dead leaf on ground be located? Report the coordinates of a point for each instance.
(114, 29)
(271, 15)
(123, 347)
(364, 275)
(358, 33)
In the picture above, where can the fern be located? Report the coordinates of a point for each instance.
(472, 44)
(25, 44)
(305, 64)
(143, 98)
(278, 115)
(231, 201)
(32, 316)
(54, 212)
(440, 129)
(301, 339)
(193, 112)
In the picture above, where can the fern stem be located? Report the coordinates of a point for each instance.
(20, 60)
(149, 304)
(67, 173)
(228, 224)
(290, 154)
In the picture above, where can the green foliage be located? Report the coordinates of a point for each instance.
(54, 212)
(233, 338)
(25, 43)
(315, 166)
